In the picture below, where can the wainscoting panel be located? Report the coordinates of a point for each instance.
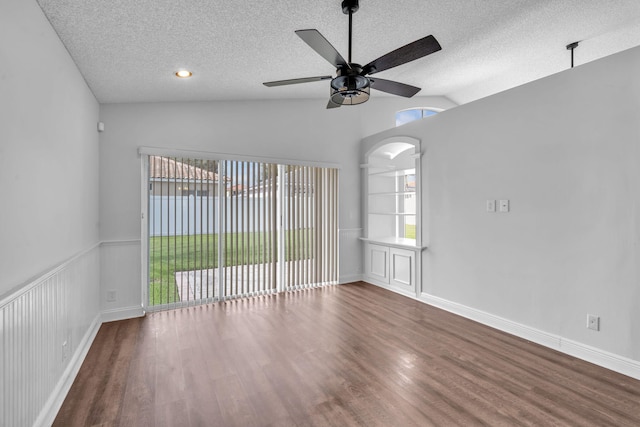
(44, 329)
(120, 278)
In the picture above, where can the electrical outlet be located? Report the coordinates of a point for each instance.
(111, 295)
(65, 351)
(504, 205)
(491, 205)
(593, 322)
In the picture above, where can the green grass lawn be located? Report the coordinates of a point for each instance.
(410, 231)
(177, 253)
(168, 255)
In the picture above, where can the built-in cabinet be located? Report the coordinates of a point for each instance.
(392, 211)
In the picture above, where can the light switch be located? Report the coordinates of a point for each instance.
(491, 205)
(504, 205)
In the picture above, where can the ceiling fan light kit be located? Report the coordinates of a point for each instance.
(352, 86)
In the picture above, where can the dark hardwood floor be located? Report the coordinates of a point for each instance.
(341, 356)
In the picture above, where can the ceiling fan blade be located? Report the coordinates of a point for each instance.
(406, 53)
(332, 104)
(394, 88)
(296, 81)
(321, 45)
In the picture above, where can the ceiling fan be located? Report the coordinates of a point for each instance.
(351, 86)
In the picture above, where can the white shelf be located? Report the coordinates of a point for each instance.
(377, 166)
(393, 213)
(394, 172)
(393, 193)
(395, 242)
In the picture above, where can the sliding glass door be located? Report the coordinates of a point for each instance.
(222, 229)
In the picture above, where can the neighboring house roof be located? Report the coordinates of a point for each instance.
(167, 168)
(296, 179)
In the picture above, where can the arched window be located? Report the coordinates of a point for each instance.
(411, 114)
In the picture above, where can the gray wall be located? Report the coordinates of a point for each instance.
(565, 151)
(48, 149)
(48, 214)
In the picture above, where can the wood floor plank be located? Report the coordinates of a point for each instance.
(234, 403)
(262, 395)
(172, 414)
(349, 355)
(204, 412)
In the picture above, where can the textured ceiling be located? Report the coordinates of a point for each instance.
(128, 50)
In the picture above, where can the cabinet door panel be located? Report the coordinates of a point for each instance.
(402, 263)
(378, 263)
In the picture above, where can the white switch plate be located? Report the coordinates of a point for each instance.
(593, 322)
(491, 205)
(504, 205)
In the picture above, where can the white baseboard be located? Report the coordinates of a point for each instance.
(387, 286)
(620, 364)
(349, 278)
(122, 313)
(55, 401)
(59, 393)
(594, 355)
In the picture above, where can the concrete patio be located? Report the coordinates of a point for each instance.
(241, 280)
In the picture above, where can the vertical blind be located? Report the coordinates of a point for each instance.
(312, 226)
(221, 229)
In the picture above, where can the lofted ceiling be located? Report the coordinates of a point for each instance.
(129, 50)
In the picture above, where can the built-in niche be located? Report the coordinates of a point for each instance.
(391, 206)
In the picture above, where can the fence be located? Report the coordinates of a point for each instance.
(193, 215)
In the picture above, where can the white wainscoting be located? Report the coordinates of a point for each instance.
(46, 329)
(120, 275)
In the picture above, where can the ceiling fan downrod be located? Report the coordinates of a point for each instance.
(349, 7)
(571, 47)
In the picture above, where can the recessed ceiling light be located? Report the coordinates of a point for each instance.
(183, 74)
